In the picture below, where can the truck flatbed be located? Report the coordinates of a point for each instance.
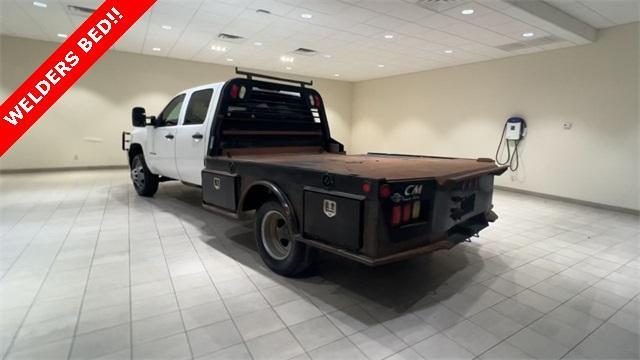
(388, 167)
(263, 149)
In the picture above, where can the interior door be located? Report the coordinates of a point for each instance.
(191, 138)
(164, 138)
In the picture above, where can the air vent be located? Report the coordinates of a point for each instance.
(230, 38)
(80, 10)
(263, 11)
(304, 51)
(547, 40)
(440, 5)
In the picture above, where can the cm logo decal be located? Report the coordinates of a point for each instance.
(413, 190)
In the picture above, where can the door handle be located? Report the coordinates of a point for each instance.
(197, 136)
(169, 136)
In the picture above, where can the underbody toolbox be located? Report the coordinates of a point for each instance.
(333, 218)
(220, 189)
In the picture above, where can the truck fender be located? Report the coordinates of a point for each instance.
(259, 192)
(134, 149)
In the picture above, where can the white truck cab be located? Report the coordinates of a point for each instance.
(174, 143)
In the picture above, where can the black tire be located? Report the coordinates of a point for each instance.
(277, 248)
(144, 181)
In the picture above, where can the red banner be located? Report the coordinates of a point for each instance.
(65, 66)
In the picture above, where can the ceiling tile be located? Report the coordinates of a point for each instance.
(350, 31)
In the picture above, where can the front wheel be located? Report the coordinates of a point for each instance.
(145, 182)
(279, 251)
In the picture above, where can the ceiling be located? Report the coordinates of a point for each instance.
(600, 13)
(353, 39)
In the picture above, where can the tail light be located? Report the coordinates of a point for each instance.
(237, 91)
(415, 210)
(315, 101)
(234, 91)
(396, 214)
(385, 191)
(406, 212)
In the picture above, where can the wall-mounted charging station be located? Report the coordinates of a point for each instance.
(515, 129)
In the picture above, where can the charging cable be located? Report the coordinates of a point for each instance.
(513, 159)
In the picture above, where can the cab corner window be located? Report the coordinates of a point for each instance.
(171, 113)
(198, 107)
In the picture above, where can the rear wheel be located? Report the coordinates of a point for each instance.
(279, 251)
(145, 182)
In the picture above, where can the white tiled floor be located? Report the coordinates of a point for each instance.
(90, 270)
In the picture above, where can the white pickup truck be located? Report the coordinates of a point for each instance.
(263, 148)
(173, 144)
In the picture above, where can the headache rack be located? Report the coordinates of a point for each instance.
(251, 75)
(256, 113)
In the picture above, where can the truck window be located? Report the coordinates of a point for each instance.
(171, 113)
(198, 107)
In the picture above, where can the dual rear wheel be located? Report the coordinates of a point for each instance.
(276, 245)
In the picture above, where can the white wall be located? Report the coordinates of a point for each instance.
(86, 122)
(460, 111)
(457, 111)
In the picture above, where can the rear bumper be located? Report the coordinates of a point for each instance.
(454, 236)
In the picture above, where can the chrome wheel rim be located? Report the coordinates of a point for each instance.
(137, 174)
(276, 237)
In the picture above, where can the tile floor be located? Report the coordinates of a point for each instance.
(90, 270)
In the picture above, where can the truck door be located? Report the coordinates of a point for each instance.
(163, 150)
(191, 138)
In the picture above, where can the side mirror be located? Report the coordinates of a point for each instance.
(139, 117)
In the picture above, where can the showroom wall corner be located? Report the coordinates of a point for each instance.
(83, 128)
(460, 111)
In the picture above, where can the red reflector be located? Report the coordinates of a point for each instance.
(234, 91)
(366, 187)
(316, 101)
(395, 215)
(385, 191)
(406, 213)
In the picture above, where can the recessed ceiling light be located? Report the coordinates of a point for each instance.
(39, 4)
(288, 68)
(336, 75)
(285, 58)
(327, 56)
(257, 43)
(306, 16)
(156, 49)
(64, 36)
(380, 66)
(467, 12)
(229, 59)
(167, 27)
(528, 34)
(388, 36)
(448, 51)
(218, 48)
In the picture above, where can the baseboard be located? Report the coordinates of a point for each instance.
(570, 200)
(70, 168)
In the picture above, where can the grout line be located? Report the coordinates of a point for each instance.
(28, 244)
(129, 204)
(271, 307)
(46, 276)
(86, 284)
(559, 305)
(173, 288)
(214, 286)
(598, 327)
